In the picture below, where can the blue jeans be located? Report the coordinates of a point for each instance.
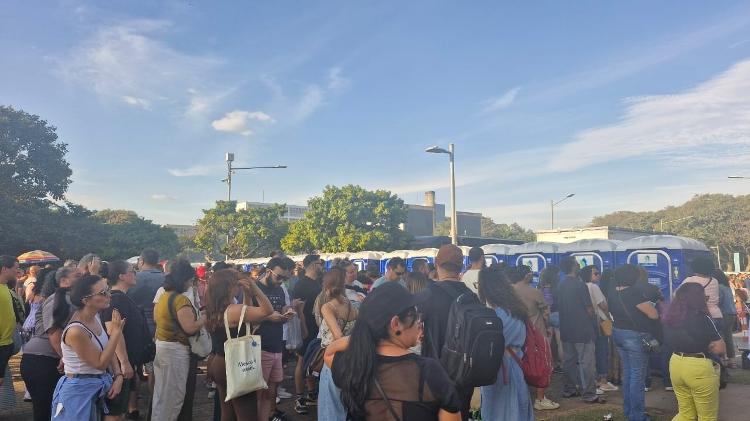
(634, 364)
(602, 356)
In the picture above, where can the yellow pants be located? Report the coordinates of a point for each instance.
(696, 384)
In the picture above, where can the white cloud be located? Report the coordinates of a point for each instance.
(336, 82)
(162, 197)
(128, 62)
(312, 97)
(192, 171)
(137, 102)
(713, 116)
(238, 121)
(498, 103)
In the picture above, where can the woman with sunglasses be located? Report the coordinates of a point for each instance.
(379, 378)
(91, 371)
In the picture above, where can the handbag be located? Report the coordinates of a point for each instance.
(200, 342)
(242, 360)
(649, 343)
(317, 360)
(606, 327)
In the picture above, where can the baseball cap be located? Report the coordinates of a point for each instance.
(450, 254)
(386, 301)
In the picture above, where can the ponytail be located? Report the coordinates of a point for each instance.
(60, 308)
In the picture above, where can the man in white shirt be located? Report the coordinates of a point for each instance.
(471, 276)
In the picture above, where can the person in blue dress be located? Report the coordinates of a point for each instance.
(508, 398)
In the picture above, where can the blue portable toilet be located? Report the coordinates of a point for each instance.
(497, 253)
(385, 258)
(591, 252)
(666, 258)
(329, 258)
(364, 259)
(536, 255)
(426, 254)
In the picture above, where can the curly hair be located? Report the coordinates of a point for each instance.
(496, 291)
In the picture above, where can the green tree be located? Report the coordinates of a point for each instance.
(127, 234)
(32, 159)
(491, 229)
(349, 218)
(252, 233)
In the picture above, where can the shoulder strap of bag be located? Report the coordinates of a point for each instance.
(242, 318)
(173, 313)
(627, 313)
(385, 398)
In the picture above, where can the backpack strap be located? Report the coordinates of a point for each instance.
(385, 398)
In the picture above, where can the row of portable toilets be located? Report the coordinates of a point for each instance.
(666, 258)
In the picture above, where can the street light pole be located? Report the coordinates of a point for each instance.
(454, 214)
(552, 205)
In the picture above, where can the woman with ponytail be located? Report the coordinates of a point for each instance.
(41, 366)
(379, 378)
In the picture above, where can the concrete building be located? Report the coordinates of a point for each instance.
(183, 230)
(421, 220)
(293, 212)
(574, 234)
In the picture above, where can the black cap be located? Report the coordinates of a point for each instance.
(386, 301)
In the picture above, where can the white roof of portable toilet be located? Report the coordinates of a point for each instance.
(673, 242)
(426, 252)
(366, 255)
(536, 247)
(592, 244)
(337, 256)
(504, 249)
(396, 253)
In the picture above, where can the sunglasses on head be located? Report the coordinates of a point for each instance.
(105, 292)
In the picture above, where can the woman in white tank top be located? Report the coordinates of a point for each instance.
(87, 354)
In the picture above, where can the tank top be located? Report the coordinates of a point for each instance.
(219, 336)
(326, 335)
(73, 364)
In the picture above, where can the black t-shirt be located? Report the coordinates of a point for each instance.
(134, 329)
(622, 304)
(272, 333)
(576, 323)
(307, 290)
(417, 387)
(694, 336)
(435, 309)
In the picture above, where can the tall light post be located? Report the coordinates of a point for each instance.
(229, 158)
(552, 205)
(454, 217)
(230, 170)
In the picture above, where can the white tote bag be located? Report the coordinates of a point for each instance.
(242, 361)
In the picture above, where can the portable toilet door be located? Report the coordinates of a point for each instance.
(497, 253)
(364, 259)
(426, 254)
(404, 254)
(591, 252)
(536, 255)
(664, 257)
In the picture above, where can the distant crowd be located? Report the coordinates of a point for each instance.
(438, 342)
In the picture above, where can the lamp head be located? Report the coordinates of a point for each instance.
(435, 149)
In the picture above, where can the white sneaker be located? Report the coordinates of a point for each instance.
(608, 387)
(545, 404)
(646, 389)
(669, 389)
(599, 392)
(281, 393)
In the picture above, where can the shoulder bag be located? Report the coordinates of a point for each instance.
(242, 360)
(200, 342)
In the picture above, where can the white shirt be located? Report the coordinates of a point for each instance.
(190, 293)
(471, 279)
(597, 297)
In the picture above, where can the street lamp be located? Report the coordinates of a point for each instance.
(454, 217)
(552, 205)
(230, 170)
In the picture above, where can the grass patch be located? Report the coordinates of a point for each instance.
(596, 414)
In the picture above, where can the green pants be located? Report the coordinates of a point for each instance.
(696, 384)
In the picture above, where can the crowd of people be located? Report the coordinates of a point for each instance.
(368, 346)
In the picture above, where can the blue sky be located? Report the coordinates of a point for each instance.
(629, 105)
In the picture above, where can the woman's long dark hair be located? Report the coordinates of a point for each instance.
(720, 276)
(359, 362)
(495, 290)
(115, 269)
(60, 307)
(82, 288)
(219, 297)
(180, 272)
(689, 300)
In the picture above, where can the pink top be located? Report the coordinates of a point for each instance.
(711, 288)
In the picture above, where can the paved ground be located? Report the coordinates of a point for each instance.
(733, 403)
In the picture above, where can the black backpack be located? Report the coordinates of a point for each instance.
(474, 344)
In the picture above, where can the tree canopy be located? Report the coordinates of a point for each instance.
(718, 220)
(253, 232)
(491, 229)
(349, 218)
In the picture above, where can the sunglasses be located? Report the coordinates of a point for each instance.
(400, 273)
(104, 293)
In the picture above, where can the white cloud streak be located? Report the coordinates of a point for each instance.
(238, 121)
(137, 102)
(161, 197)
(195, 170)
(498, 103)
(714, 115)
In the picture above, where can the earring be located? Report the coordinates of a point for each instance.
(398, 333)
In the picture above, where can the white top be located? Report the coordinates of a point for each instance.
(471, 279)
(73, 364)
(597, 297)
(190, 293)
